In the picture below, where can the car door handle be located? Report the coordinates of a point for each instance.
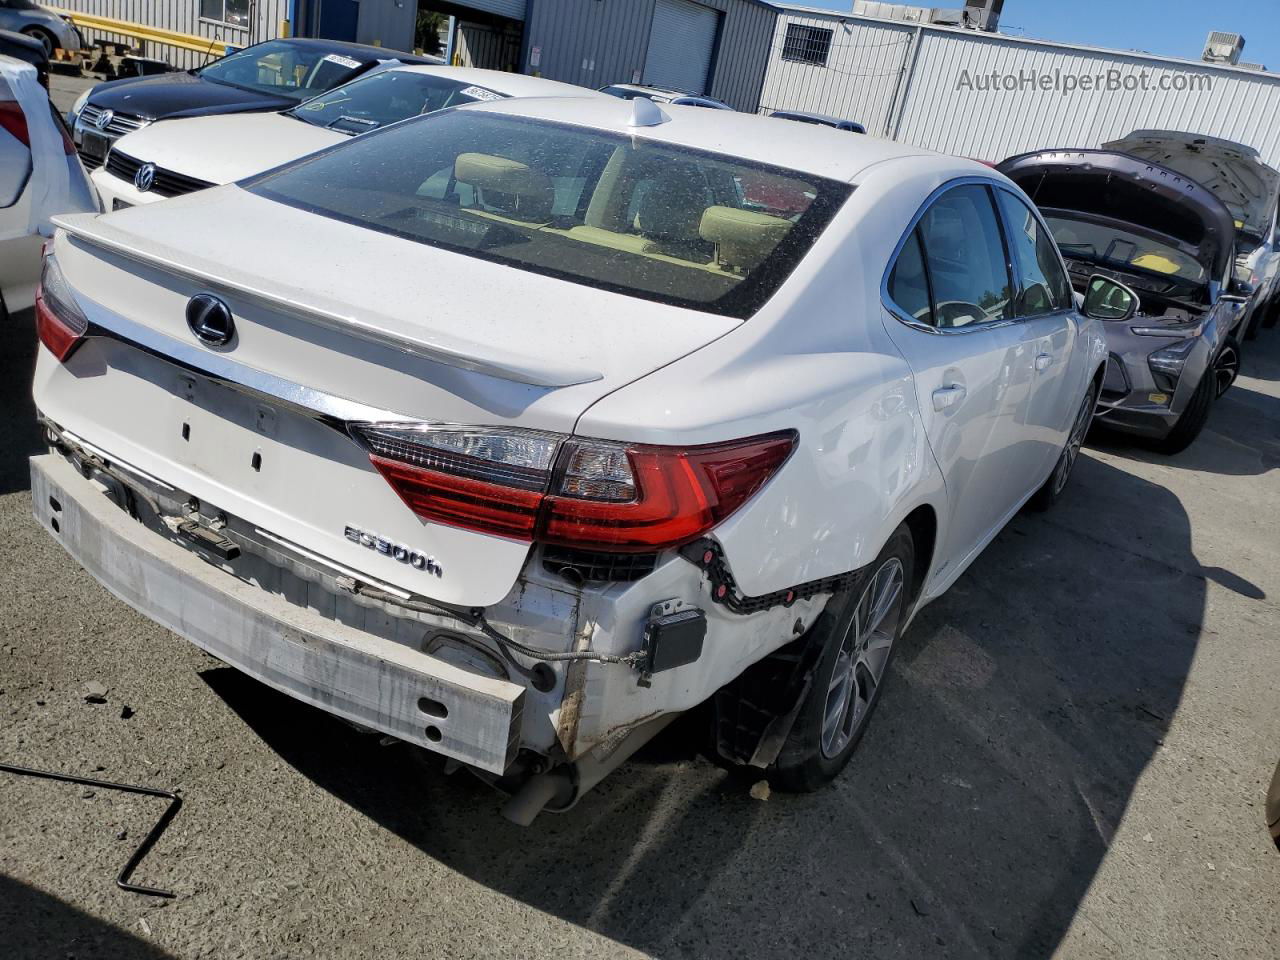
(1044, 361)
(944, 398)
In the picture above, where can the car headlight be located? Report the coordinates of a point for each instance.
(79, 104)
(1166, 365)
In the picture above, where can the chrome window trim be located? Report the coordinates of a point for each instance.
(898, 312)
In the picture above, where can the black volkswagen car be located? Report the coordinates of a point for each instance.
(273, 75)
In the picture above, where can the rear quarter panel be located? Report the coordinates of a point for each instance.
(815, 359)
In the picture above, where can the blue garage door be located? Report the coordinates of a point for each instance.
(682, 41)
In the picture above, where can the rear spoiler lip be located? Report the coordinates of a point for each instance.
(453, 352)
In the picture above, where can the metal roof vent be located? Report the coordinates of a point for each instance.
(1223, 48)
(646, 113)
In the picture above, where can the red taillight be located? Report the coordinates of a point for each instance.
(462, 502)
(60, 324)
(14, 121)
(681, 493)
(580, 493)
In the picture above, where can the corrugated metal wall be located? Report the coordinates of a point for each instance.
(387, 23)
(866, 64)
(592, 43)
(929, 97)
(991, 125)
(183, 16)
(503, 8)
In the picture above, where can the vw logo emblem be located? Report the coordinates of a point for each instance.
(145, 178)
(104, 119)
(210, 319)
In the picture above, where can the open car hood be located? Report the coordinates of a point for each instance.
(1234, 172)
(1128, 189)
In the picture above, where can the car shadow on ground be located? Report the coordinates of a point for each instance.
(1022, 708)
(20, 436)
(36, 924)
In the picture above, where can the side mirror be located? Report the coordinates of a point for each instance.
(1107, 299)
(1238, 291)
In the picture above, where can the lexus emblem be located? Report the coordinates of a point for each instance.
(145, 178)
(210, 319)
(104, 119)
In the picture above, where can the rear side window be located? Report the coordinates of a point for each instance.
(909, 284)
(650, 220)
(1042, 285)
(965, 253)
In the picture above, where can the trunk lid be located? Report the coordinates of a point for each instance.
(1235, 173)
(1127, 189)
(348, 325)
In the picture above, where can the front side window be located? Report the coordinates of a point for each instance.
(965, 254)
(282, 68)
(1042, 285)
(805, 44)
(379, 99)
(234, 12)
(665, 223)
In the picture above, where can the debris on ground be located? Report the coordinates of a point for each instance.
(126, 712)
(760, 790)
(94, 692)
(122, 835)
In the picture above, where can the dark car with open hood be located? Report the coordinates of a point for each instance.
(274, 75)
(1171, 242)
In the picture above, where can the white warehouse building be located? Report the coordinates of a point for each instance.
(989, 96)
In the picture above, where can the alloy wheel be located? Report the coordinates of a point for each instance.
(863, 656)
(1079, 430)
(1227, 368)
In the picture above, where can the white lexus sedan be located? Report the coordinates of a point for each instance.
(514, 431)
(174, 157)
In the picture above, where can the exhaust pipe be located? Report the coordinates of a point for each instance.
(559, 789)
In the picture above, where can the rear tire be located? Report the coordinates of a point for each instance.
(1052, 489)
(859, 631)
(45, 37)
(1193, 418)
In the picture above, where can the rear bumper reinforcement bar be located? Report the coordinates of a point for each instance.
(367, 679)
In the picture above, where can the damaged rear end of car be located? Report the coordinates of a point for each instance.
(368, 489)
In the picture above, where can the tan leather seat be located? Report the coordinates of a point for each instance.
(743, 238)
(511, 189)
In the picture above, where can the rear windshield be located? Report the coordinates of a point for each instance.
(382, 98)
(663, 223)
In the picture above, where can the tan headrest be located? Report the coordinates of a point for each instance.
(743, 238)
(522, 192)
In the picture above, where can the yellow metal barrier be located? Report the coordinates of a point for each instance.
(140, 32)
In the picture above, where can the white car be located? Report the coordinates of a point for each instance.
(40, 176)
(514, 431)
(174, 157)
